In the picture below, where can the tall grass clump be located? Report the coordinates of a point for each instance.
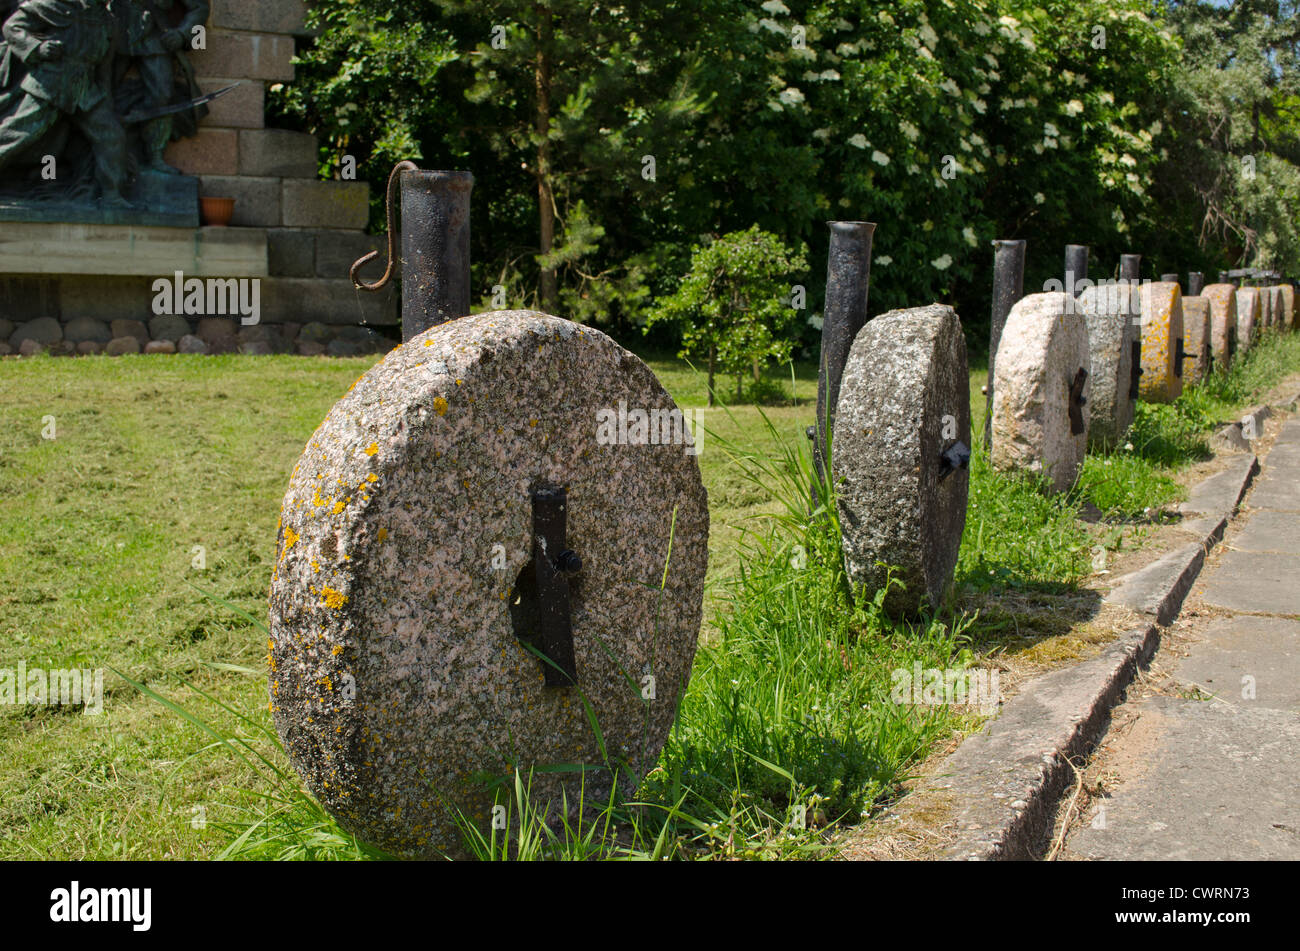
(788, 719)
(1019, 534)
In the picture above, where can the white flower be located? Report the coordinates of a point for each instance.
(771, 26)
(909, 130)
(776, 7)
(982, 28)
(879, 157)
(1050, 130)
(1072, 108)
(822, 134)
(858, 141)
(928, 36)
(942, 263)
(950, 87)
(1039, 198)
(884, 261)
(969, 234)
(791, 96)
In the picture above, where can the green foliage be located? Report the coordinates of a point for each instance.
(733, 308)
(948, 122)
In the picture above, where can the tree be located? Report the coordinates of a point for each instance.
(733, 308)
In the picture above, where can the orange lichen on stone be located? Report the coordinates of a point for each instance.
(440, 406)
(332, 599)
(383, 533)
(372, 449)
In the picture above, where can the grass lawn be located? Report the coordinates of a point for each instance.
(166, 473)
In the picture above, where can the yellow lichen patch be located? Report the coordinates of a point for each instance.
(338, 507)
(440, 406)
(372, 478)
(372, 449)
(532, 423)
(332, 599)
(428, 343)
(290, 539)
(317, 500)
(383, 533)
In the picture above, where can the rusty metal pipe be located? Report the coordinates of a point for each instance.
(435, 246)
(1008, 288)
(1076, 267)
(848, 281)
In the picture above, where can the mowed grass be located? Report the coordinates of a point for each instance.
(159, 465)
(162, 464)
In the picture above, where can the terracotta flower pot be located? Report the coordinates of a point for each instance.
(216, 212)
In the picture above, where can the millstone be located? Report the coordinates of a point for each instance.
(399, 679)
(1111, 314)
(1276, 318)
(1223, 323)
(901, 445)
(1035, 428)
(1288, 306)
(1265, 308)
(1196, 339)
(1248, 316)
(1162, 336)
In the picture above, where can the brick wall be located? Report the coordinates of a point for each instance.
(315, 229)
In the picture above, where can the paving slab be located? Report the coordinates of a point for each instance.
(1206, 780)
(1278, 489)
(1270, 531)
(1264, 649)
(1255, 583)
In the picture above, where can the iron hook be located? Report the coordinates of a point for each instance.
(392, 235)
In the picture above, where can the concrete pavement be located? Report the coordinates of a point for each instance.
(1209, 767)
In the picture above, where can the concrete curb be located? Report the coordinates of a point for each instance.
(1013, 773)
(1008, 779)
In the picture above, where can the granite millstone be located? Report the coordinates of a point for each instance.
(904, 401)
(1111, 314)
(1044, 346)
(1288, 306)
(1196, 339)
(1265, 308)
(1162, 332)
(1248, 313)
(1223, 323)
(397, 680)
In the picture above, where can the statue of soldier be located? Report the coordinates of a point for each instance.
(157, 48)
(65, 48)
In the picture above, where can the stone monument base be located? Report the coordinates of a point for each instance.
(156, 199)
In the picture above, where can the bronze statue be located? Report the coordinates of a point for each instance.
(116, 72)
(156, 48)
(63, 49)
